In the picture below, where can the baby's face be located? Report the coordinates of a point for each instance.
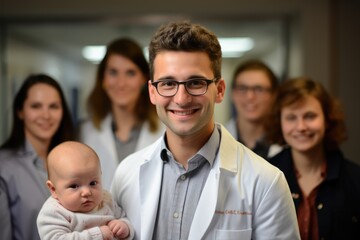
(77, 183)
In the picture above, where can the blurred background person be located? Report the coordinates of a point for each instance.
(41, 120)
(122, 118)
(325, 186)
(252, 93)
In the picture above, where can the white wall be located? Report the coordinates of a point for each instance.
(24, 58)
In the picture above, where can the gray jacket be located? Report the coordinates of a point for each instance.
(25, 191)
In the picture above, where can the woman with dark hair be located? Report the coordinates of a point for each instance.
(324, 185)
(122, 118)
(41, 120)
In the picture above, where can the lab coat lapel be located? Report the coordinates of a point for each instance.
(206, 206)
(150, 185)
(104, 137)
(227, 160)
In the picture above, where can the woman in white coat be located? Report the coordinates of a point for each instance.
(122, 119)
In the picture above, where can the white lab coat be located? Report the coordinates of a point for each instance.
(244, 196)
(102, 141)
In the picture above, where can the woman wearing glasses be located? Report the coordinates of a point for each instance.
(122, 119)
(253, 89)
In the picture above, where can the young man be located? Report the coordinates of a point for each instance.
(253, 90)
(197, 181)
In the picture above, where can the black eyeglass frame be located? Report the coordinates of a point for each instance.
(208, 82)
(257, 89)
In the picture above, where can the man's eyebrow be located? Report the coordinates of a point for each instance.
(166, 78)
(173, 78)
(188, 78)
(196, 76)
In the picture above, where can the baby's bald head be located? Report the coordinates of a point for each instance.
(68, 156)
(74, 174)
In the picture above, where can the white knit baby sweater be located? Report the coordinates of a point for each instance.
(56, 222)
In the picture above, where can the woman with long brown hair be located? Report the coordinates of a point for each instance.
(122, 118)
(41, 120)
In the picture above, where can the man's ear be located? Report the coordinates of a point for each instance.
(152, 92)
(220, 91)
(51, 187)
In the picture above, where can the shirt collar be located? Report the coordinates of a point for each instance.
(135, 131)
(29, 149)
(37, 161)
(209, 150)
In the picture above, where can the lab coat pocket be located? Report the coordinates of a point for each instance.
(233, 234)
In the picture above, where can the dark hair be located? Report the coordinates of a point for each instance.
(255, 64)
(17, 135)
(295, 90)
(99, 103)
(185, 36)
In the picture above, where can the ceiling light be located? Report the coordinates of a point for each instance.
(235, 47)
(94, 53)
(231, 48)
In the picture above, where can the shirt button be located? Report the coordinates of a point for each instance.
(295, 195)
(320, 206)
(183, 177)
(176, 215)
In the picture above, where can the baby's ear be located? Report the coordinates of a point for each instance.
(51, 187)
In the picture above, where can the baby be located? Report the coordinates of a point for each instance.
(78, 207)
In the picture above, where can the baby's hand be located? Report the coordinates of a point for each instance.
(119, 228)
(106, 233)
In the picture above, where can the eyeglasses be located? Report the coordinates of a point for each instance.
(194, 86)
(257, 90)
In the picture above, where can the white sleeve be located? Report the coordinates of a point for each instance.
(275, 216)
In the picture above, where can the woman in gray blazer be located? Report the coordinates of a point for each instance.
(41, 120)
